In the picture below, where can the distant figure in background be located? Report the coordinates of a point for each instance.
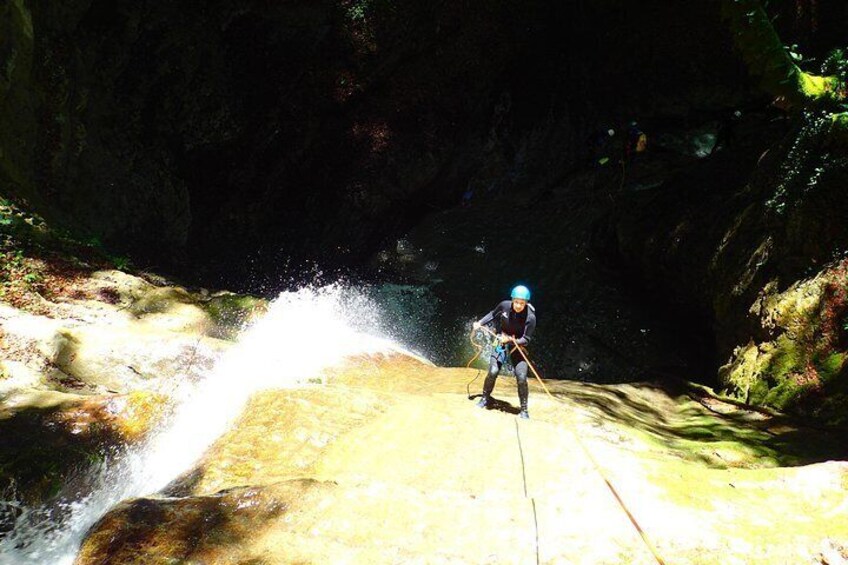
(637, 141)
(515, 322)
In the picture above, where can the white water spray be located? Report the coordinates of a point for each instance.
(302, 334)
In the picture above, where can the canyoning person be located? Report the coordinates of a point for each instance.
(637, 141)
(515, 322)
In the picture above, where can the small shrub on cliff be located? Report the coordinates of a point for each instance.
(121, 263)
(37, 262)
(808, 159)
(836, 64)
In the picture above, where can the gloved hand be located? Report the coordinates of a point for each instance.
(476, 325)
(503, 338)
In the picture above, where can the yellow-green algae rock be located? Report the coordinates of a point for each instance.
(768, 59)
(802, 367)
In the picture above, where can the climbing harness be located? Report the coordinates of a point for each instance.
(585, 449)
(499, 349)
(503, 353)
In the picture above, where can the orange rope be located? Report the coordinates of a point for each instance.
(479, 349)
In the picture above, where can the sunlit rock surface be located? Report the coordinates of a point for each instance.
(390, 461)
(92, 371)
(116, 332)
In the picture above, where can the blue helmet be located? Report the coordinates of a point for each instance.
(521, 292)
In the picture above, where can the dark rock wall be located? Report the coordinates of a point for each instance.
(771, 209)
(753, 243)
(312, 130)
(236, 141)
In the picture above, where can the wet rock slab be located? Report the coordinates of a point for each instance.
(375, 467)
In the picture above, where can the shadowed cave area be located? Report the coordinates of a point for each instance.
(449, 150)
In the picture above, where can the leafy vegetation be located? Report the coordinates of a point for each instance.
(806, 160)
(36, 260)
(836, 64)
(768, 59)
(30, 251)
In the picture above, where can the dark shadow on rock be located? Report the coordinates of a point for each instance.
(501, 406)
(42, 460)
(203, 529)
(185, 484)
(52, 455)
(693, 425)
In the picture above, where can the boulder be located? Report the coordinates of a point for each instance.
(51, 442)
(118, 354)
(113, 331)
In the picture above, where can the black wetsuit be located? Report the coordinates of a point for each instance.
(520, 326)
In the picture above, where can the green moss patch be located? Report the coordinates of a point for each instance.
(803, 366)
(701, 427)
(231, 312)
(768, 59)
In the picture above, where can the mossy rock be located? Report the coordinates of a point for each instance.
(49, 439)
(161, 300)
(768, 59)
(222, 316)
(175, 308)
(232, 312)
(801, 364)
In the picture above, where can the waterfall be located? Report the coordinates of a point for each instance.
(303, 333)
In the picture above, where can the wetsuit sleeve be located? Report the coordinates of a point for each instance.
(529, 328)
(488, 318)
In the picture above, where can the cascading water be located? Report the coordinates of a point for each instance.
(302, 333)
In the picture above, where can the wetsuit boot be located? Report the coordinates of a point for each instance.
(489, 384)
(524, 415)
